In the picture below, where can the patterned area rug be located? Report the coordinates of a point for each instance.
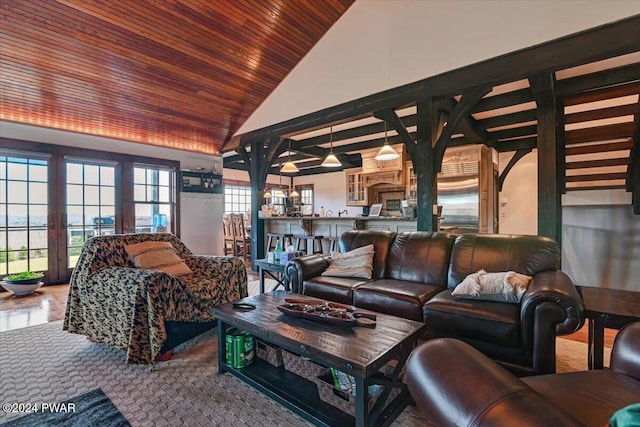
(45, 364)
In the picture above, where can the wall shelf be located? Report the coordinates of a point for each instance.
(201, 182)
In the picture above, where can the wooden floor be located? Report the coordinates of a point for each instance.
(48, 305)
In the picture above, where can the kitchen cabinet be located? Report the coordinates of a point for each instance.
(412, 181)
(371, 165)
(356, 193)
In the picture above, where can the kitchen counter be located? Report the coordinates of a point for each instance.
(335, 226)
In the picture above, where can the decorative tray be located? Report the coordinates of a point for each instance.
(327, 312)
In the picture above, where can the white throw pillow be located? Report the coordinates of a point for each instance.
(503, 287)
(355, 263)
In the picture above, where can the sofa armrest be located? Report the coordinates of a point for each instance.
(300, 269)
(625, 354)
(553, 287)
(453, 384)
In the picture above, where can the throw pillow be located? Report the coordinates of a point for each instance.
(503, 287)
(355, 263)
(157, 256)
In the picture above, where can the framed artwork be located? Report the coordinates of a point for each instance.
(375, 210)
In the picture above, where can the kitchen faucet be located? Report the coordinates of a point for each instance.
(327, 212)
(342, 212)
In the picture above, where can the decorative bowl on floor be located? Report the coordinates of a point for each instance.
(21, 288)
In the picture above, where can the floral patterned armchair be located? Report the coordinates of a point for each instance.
(134, 309)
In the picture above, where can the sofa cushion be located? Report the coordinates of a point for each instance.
(338, 289)
(489, 321)
(381, 241)
(412, 252)
(355, 263)
(396, 297)
(159, 256)
(501, 252)
(502, 287)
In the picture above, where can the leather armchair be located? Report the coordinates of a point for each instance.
(455, 385)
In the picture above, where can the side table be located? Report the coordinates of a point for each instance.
(607, 308)
(275, 271)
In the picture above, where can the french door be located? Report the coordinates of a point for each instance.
(25, 241)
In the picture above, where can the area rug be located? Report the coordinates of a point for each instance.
(90, 409)
(45, 364)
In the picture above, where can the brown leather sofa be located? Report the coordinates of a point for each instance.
(414, 274)
(455, 385)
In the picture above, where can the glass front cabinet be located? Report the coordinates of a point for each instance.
(356, 192)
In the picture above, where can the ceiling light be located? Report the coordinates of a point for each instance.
(267, 194)
(289, 166)
(386, 152)
(294, 193)
(279, 193)
(331, 161)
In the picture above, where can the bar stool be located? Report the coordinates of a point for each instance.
(272, 240)
(333, 244)
(316, 243)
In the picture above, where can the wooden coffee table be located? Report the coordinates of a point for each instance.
(358, 351)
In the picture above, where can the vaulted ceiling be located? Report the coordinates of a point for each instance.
(181, 74)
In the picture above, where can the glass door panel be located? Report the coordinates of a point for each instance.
(90, 209)
(24, 233)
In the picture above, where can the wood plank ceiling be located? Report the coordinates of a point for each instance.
(181, 74)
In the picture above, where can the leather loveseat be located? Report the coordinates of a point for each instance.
(414, 274)
(455, 385)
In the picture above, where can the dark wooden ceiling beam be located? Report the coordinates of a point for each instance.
(626, 89)
(601, 113)
(600, 133)
(599, 148)
(507, 119)
(516, 97)
(516, 144)
(516, 132)
(600, 163)
(599, 80)
(591, 45)
(597, 177)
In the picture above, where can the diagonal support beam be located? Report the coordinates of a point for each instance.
(512, 162)
(468, 125)
(391, 118)
(469, 99)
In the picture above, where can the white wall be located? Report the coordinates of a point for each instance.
(518, 200)
(377, 45)
(330, 192)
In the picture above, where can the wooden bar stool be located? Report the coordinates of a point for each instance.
(315, 242)
(272, 240)
(333, 244)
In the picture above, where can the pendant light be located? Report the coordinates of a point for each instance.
(293, 193)
(386, 152)
(331, 161)
(267, 194)
(289, 166)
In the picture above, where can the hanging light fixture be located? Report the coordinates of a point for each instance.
(386, 152)
(267, 194)
(293, 193)
(331, 161)
(289, 166)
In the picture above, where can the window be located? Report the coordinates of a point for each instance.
(23, 214)
(153, 195)
(306, 198)
(91, 201)
(237, 199)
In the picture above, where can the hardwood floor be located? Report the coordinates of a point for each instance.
(48, 303)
